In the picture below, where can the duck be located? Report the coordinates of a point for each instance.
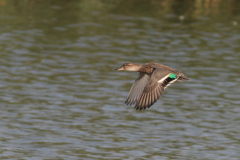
(151, 82)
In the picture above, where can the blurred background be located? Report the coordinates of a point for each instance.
(61, 99)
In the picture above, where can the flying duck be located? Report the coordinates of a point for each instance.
(153, 78)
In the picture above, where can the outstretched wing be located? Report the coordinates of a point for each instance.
(137, 88)
(160, 79)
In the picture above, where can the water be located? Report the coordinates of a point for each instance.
(61, 98)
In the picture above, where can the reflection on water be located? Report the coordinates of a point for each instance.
(61, 98)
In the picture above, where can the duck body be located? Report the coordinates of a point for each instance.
(153, 78)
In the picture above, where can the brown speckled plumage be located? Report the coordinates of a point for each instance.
(149, 86)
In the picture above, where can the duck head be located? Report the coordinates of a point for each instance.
(129, 67)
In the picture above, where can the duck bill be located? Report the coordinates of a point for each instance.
(119, 69)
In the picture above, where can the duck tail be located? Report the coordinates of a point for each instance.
(182, 78)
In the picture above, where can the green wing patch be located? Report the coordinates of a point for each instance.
(173, 76)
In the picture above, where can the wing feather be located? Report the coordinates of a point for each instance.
(154, 89)
(137, 88)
